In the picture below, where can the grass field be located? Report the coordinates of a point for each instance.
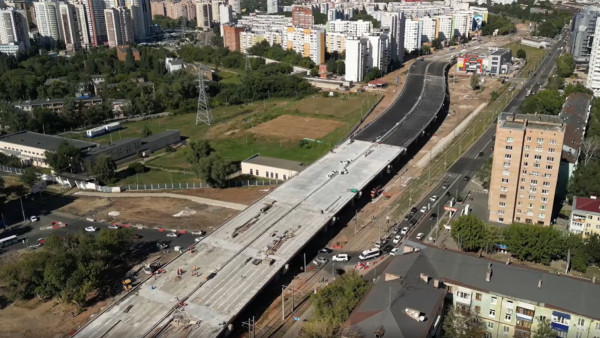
(534, 56)
(153, 176)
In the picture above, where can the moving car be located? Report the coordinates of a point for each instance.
(320, 260)
(368, 254)
(466, 178)
(340, 258)
(407, 218)
(199, 233)
(423, 209)
(445, 186)
(395, 251)
(387, 249)
(420, 236)
(433, 216)
(325, 250)
(433, 198)
(90, 229)
(34, 219)
(397, 239)
(413, 222)
(480, 154)
(113, 226)
(198, 239)
(404, 231)
(380, 243)
(172, 234)
(414, 210)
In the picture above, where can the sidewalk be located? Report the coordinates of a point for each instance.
(200, 200)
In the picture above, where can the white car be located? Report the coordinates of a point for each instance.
(198, 239)
(199, 233)
(380, 243)
(420, 236)
(112, 226)
(172, 234)
(340, 258)
(433, 198)
(91, 229)
(34, 219)
(404, 231)
(424, 209)
(395, 252)
(397, 239)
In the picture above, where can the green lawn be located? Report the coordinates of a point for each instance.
(157, 176)
(229, 77)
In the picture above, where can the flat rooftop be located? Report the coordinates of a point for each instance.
(234, 263)
(42, 141)
(276, 163)
(532, 121)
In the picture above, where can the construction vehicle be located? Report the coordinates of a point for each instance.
(127, 284)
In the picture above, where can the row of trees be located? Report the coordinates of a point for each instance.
(77, 268)
(527, 242)
(503, 24)
(276, 52)
(548, 25)
(208, 164)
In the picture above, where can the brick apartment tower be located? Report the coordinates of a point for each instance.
(302, 16)
(525, 168)
(231, 37)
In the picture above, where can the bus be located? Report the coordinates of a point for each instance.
(368, 254)
(4, 242)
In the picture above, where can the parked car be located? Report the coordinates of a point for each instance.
(198, 239)
(387, 249)
(340, 258)
(404, 231)
(172, 234)
(445, 186)
(325, 250)
(397, 239)
(466, 178)
(423, 209)
(380, 243)
(414, 210)
(420, 236)
(407, 217)
(90, 229)
(320, 260)
(41, 240)
(199, 233)
(433, 216)
(113, 226)
(413, 222)
(34, 219)
(395, 251)
(433, 198)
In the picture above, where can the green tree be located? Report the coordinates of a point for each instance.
(29, 177)
(492, 237)
(437, 44)
(544, 329)
(462, 324)
(214, 170)
(543, 102)
(469, 232)
(314, 72)
(475, 81)
(565, 65)
(534, 243)
(521, 54)
(556, 83)
(65, 157)
(585, 180)
(426, 50)
(196, 150)
(373, 74)
(104, 169)
(340, 67)
(146, 131)
(494, 96)
(137, 167)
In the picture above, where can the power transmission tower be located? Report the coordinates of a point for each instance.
(203, 115)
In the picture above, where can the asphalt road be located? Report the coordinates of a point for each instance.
(30, 233)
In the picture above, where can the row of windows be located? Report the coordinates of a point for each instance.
(267, 174)
(537, 165)
(23, 151)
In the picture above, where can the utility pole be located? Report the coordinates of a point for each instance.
(305, 263)
(22, 209)
(283, 302)
(355, 221)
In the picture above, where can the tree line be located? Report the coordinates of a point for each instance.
(77, 268)
(527, 242)
(208, 164)
(547, 24)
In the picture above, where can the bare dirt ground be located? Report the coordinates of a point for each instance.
(169, 213)
(245, 195)
(296, 127)
(43, 319)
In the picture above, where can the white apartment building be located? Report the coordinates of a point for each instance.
(14, 30)
(356, 54)
(308, 42)
(119, 28)
(593, 79)
(395, 23)
(83, 26)
(461, 23)
(69, 26)
(412, 34)
(428, 29)
(379, 52)
(443, 27)
(272, 6)
(335, 42)
(355, 28)
(236, 6)
(203, 14)
(215, 10)
(47, 19)
(225, 16)
(250, 38)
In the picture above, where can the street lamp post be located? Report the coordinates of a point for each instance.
(22, 209)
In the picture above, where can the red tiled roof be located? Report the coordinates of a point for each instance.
(587, 204)
(376, 82)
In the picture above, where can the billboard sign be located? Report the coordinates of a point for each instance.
(477, 22)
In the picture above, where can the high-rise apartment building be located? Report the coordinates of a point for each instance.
(525, 168)
(94, 10)
(428, 26)
(203, 14)
(443, 27)
(308, 42)
(231, 37)
(236, 6)
(158, 8)
(394, 22)
(412, 34)
(583, 32)
(47, 18)
(353, 28)
(593, 78)
(83, 26)
(69, 26)
(215, 12)
(119, 28)
(272, 6)
(302, 16)
(379, 52)
(13, 29)
(461, 23)
(335, 42)
(356, 54)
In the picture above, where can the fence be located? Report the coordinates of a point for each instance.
(11, 170)
(197, 185)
